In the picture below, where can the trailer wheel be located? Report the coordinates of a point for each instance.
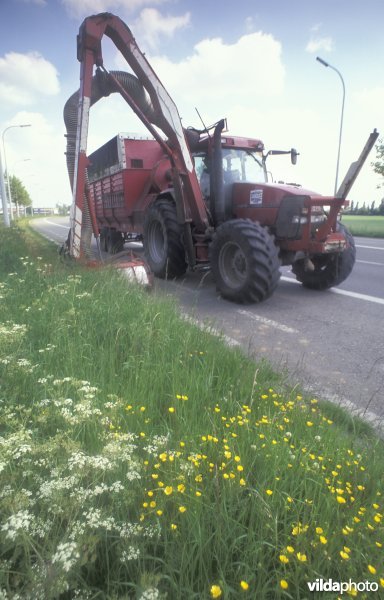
(244, 261)
(114, 241)
(330, 269)
(163, 245)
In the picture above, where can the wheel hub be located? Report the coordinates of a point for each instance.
(232, 264)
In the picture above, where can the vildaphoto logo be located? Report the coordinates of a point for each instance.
(328, 585)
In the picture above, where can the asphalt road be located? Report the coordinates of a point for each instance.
(331, 342)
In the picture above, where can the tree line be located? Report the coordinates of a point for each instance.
(19, 194)
(365, 209)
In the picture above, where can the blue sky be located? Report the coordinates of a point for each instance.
(250, 61)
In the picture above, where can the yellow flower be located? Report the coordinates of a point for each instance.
(382, 582)
(182, 509)
(168, 490)
(340, 499)
(171, 409)
(216, 591)
(344, 555)
(284, 584)
(242, 481)
(372, 569)
(269, 492)
(284, 559)
(319, 530)
(290, 549)
(181, 488)
(309, 423)
(159, 512)
(301, 557)
(323, 539)
(244, 585)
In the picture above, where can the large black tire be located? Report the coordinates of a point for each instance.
(163, 245)
(330, 269)
(244, 261)
(112, 240)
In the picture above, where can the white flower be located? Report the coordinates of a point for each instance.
(150, 594)
(66, 554)
(17, 523)
(131, 553)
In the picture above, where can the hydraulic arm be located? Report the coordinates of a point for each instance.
(152, 105)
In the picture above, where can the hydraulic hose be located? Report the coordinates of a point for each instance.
(102, 86)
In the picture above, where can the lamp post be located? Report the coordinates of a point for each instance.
(325, 64)
(5, 161)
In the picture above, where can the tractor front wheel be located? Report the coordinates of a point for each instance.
(329, 269)
(244, 261)
(163, 245)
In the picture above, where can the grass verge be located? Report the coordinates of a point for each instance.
(141, 458)
(365, 226)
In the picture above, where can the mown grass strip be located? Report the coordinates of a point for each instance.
(365, 226)
(142, 458)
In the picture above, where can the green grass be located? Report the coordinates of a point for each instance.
(365, 226)
(141, 458)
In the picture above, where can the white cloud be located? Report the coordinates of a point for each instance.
(152, 25)
(26, 77)
(44, 174)
(320, 43)
(371, 102)
(317, 41)
(249, 24)
(245, 72)
(83, 8)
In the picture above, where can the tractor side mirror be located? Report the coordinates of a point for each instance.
(294, 155)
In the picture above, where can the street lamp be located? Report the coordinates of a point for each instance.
(5, 161)
(325, 64)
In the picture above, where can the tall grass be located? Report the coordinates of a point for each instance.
(141, 458)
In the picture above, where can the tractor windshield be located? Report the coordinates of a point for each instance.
(238, 165)
(243, 165)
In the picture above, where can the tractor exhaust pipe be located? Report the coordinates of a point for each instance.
(217, 184)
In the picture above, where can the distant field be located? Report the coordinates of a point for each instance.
(365, 226)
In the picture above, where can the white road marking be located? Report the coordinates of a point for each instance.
(369, 247)
(265, 321)
(369, 262)
(365, 297)
(226, 338)
(56, 224)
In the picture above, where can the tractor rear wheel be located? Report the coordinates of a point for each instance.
(244, 261)
(163, 245)
(330, 269)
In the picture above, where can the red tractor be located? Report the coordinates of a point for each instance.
(195, 197)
